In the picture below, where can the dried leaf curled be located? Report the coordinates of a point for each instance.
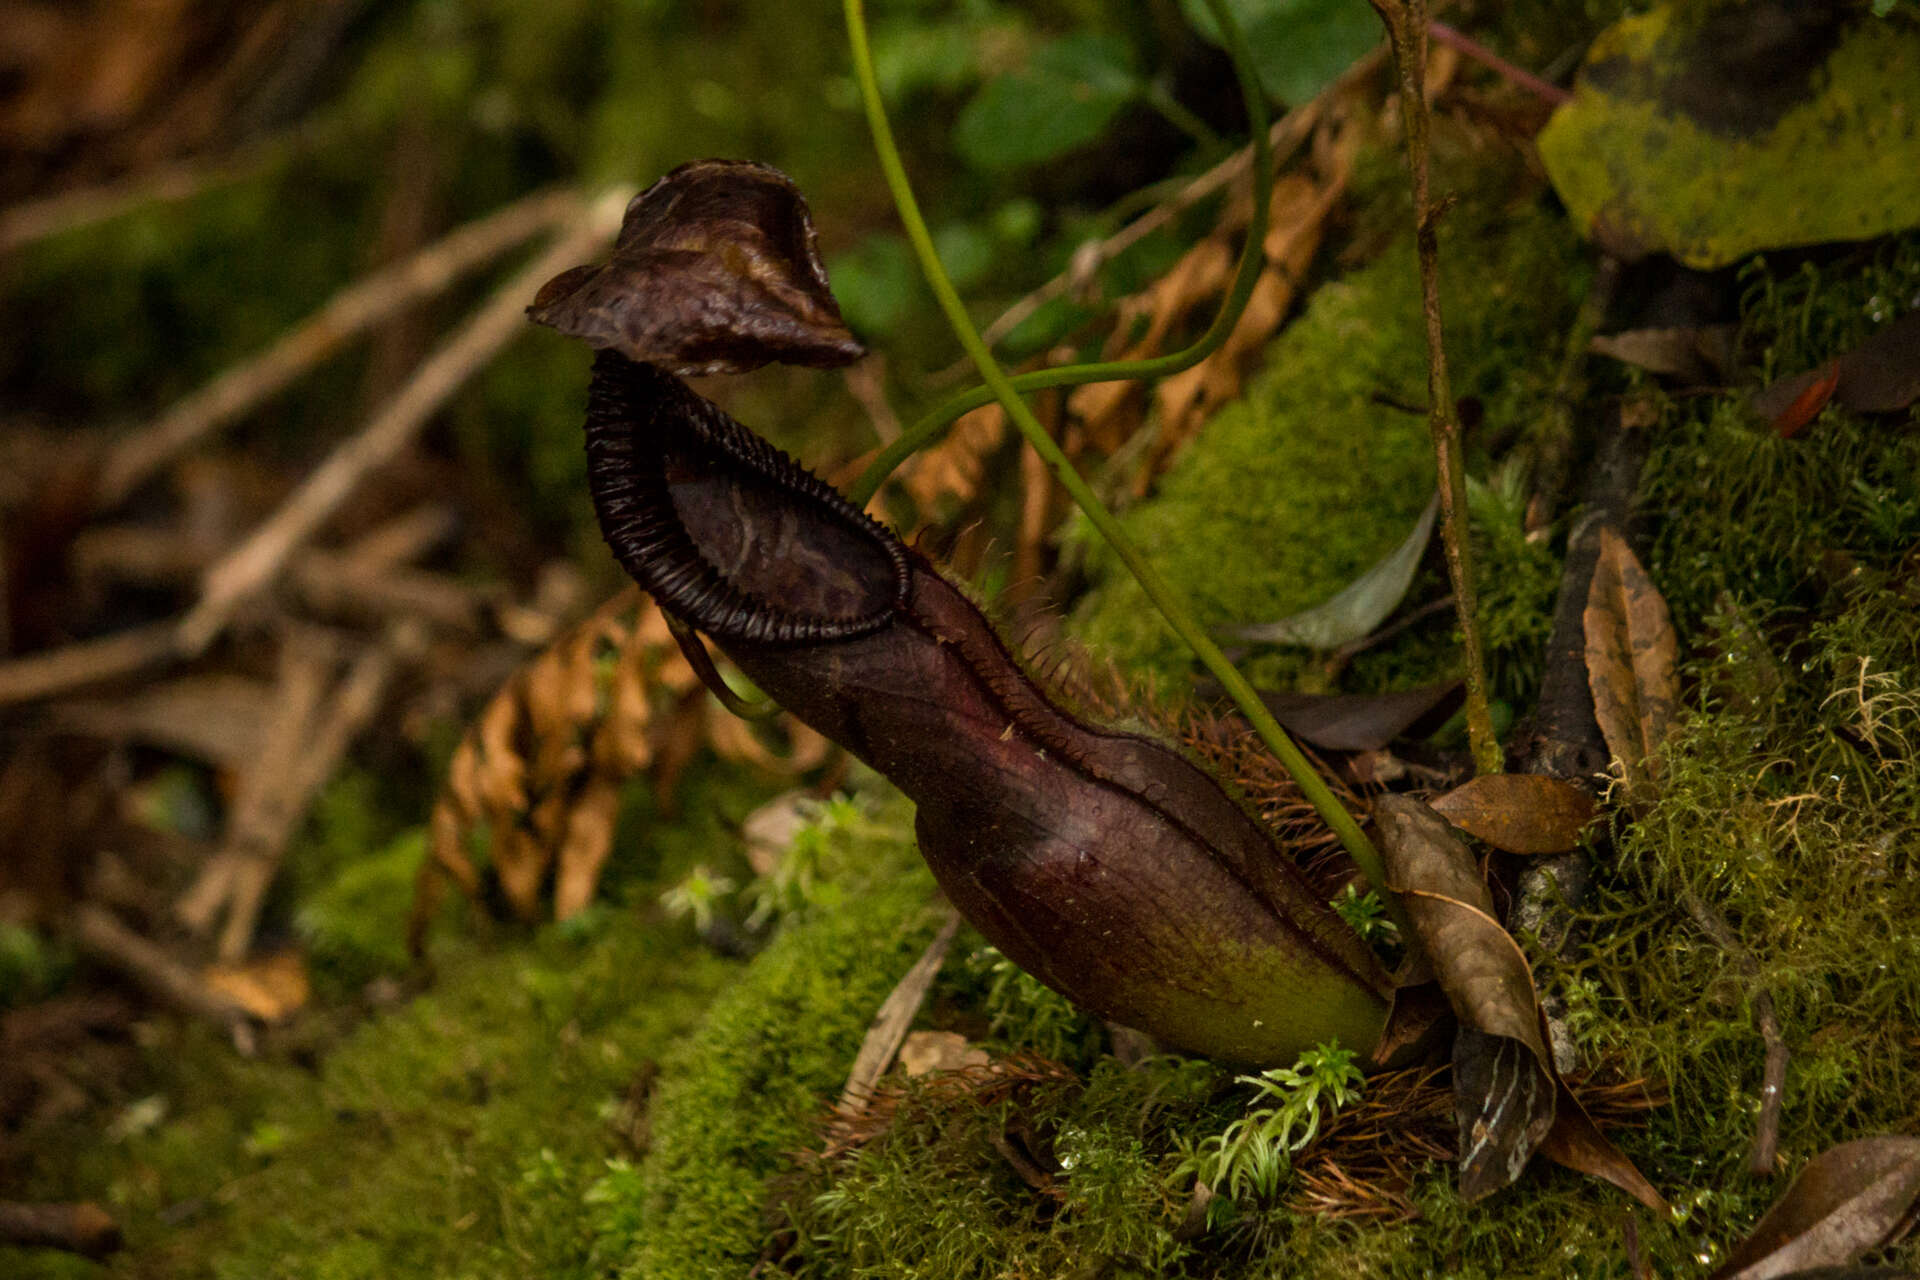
(1509, 1100)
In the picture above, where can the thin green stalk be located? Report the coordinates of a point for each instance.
(1162, 593)
(1253, 259)
(1406, 22)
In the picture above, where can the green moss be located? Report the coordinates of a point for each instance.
(453, 1137)
(737, 1100)
(1290, 493)
(1775, 523)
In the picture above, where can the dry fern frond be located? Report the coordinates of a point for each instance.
(1146, 324)
(540, 768)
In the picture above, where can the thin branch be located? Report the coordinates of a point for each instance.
(1761, 1157)
(355, 309)
(32, 220)
(1406, 22)
(86, 662)
(896, 1013)
(255, 563)
(105, 940)
(1545, 90)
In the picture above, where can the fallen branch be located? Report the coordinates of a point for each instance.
(1561, 738)
(32, 220)
(890, 1024)
(84, 1228)
(86, 662)
(256, 562)
(304, 746)
(352, 311)
(103, 939)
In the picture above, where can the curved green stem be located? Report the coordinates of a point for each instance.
(1253, 260)
(1162, 593)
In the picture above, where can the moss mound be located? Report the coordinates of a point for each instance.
(1319, 471)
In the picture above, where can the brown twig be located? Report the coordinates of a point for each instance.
(83, 1228)
(105, 940)
(303, 746)
(890, 1023)
(254, 564)
(1286, 134)
(1406, 22)
(1773, 1080)
(352, 311)
(86, 662)
(32, 220)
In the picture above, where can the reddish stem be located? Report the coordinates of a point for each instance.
(1486, 57)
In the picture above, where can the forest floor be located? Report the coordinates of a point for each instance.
(625, 1053)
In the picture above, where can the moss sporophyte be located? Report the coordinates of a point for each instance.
(1104, 863)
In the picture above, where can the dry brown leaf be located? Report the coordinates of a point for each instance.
(925, 1052)
(1509, 1100)
(1695, 355)
(1632, 663)
(542, 765)
(1849, 1199)
(1519, 812)
(951, 470)
(1881, 375)
(271, 987)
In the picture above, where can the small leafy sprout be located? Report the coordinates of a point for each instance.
(821, 851)
(1247, 1160)
(696, 896)
(1028, 1014)
(1366, 915)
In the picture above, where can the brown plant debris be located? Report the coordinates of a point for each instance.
(1632, 664)
(1364, 1162)
(974, 1087)
(1849, 1199)
(1519, 812)
(1150, 322)
(888, 1032)
(541, 766)
(1881, 375)
(1509, 1099)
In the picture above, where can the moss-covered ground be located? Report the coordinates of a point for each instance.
(614, 1098)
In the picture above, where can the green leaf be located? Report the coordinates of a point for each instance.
(1064, 98)
(1364, 604)
(1690, 138)
(876, 283)
(1298, 46)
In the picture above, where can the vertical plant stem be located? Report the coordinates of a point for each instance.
(1161, 592)
(1406, 22)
